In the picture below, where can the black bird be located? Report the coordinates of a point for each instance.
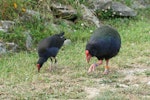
(48, 48)
(104, 43)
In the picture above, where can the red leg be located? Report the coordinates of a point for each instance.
(93, 66)
(106, 71)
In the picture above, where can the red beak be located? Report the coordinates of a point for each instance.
(88, 56)
(38, 67)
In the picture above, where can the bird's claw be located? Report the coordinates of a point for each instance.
(106, 72)
(92, 68)
(50, 68)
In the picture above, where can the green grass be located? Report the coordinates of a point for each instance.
(19, 78)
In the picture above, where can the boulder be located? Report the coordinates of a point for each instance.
(90, 15)
(2, 48)
(29, 15)
(64, 11)
(100, 4)
(122, 10)
(110, 8)
(28, 40)
(7, 47)
(11, 46)
(5, 25)
(67, 42)
(141, 4)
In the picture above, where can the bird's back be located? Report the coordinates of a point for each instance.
(50, 46)
(104, 43)
(105, 32)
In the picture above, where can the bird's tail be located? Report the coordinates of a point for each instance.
(61, 33)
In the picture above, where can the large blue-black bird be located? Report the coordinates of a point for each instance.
(104, 43)
(48, 48)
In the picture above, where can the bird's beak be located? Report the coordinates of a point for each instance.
(88, 56)
(38, 67)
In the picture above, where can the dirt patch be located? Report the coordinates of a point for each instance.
(135, 75)
(91, 92)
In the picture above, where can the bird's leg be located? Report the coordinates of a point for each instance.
(93, 66)
(106, 71)
(55, 60)
(50, 67)
(55, 63)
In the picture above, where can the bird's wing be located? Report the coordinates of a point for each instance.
(49, 52)
(52, 51)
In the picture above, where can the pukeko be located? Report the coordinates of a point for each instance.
(104, 43)
(48, 48)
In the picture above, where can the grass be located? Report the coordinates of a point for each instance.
(19, 78)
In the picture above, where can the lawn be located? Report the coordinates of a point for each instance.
(129, 78)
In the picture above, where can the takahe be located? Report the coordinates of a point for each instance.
(104, 43)
(48, 48)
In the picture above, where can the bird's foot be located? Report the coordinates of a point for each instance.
(92, 68)
(106, 71)
(50, 68)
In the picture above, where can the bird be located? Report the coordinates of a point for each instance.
(104, 44)
(49, 48)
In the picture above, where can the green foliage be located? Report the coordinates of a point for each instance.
(17, 37)
(147, 73)
(10, 9)
(127, 2)
(42, 26)
(105, 14)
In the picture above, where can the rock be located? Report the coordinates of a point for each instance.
(148, 83)
(6, 25)
(100, 4)
(116, 8)
(90, 16)
(122, 85)
(11, 46)
(122, 10)
(64, 11)
(28, 40)
(32, 12)
(29, 15)
(141, 4)
(67, 42)
(7, 47)
(135, 85)
(3, 30)
(2, 48)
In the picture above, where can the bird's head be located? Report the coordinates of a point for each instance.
(61, 36)
(40, 63)
(88, 56)
(38, 67)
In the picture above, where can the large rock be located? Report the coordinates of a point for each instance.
(108, 7)
(122, 10)
(7, 47)
(2, 48)
(28, 40)
(5, 25)
(11, 46)
(67, 42)
(89, 15)
(30, 15)
(141, 4)
(64, 11)
(100, 4)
